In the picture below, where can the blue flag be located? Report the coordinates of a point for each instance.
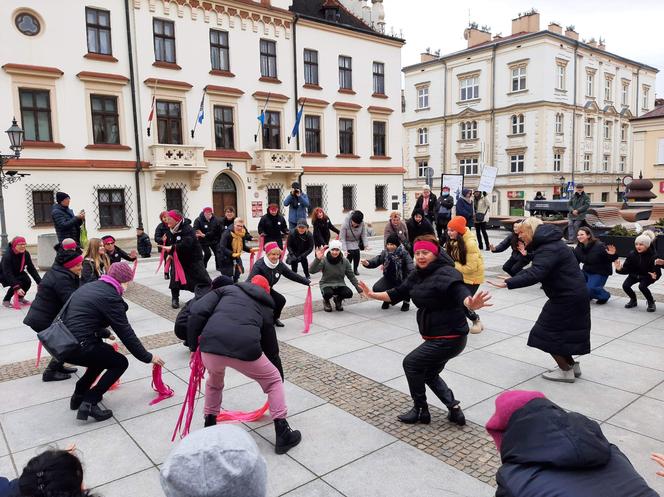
(298, 118)
(201, 110)
(261, 117)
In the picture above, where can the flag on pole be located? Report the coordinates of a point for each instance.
(151, 116)
(298, 118)
(261, 117)
(200, 116)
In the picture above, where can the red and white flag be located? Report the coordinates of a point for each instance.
(151, 116)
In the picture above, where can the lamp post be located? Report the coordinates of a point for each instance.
(562, 187)
(15, 134)
(618, 181)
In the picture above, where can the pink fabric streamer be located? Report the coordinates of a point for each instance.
(283, 252)
(241, 416)
(115, 385)
(136, 266)
(195, 380)
(252, 259)
(39, 353)
(179, 271)
(158, 385)
(15, 302)
(308, 311)
(161, 260)
(261, 244)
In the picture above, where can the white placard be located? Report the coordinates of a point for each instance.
(488, 179)
(454, 182)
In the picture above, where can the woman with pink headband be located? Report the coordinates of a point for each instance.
(438, 291)
(15, 262)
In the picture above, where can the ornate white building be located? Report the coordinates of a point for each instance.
(83, 81)
(540, 105)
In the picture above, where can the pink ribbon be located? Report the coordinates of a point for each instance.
(115, 385)
(308, 311)
(261, 244)
(39, 353)
(15, 303)
(136, 266)
(283, 252)
(242, 416)
(252, 258)
(195, 379)
(158, 385)
(179, 271)
(161, 260)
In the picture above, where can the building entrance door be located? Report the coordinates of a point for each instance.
(224, 194)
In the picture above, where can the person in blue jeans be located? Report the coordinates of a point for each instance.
(596, 259)
(298, 204)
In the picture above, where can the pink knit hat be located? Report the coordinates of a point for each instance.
(121, 272)
(269, 247)
(507, 403)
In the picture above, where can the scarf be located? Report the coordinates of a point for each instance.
(393, 265)
(176, 228)
(269, 263)
(113, 282)
(333, 260)
(425, 203)
(237, 242)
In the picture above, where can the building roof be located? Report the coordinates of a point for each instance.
(496, 42)
(656, 112)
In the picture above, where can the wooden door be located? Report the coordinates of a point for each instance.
(221, 200)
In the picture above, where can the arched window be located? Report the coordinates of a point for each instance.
(518, 124)
(423, 136)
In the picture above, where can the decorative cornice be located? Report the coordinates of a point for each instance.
(226, 154)
(347, 106)
(274, 97)
(101, 77)
(355, 170)
(35, 71)
(224, 91)
(168, 84)
(374, 109)
(313, 102)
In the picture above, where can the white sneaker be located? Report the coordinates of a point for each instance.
(477, 327)
(577, 369)
(559, 375)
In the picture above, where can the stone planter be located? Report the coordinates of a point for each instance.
(625, 244)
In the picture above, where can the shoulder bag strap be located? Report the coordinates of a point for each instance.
(64, 308)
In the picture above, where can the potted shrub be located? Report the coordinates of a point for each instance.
(622, 238)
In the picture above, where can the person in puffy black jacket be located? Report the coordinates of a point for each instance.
(418, 226)
(548, 452)
(143, 244)
(67, 225)
(640, 267)
(322, 227)
(58, 284)
(300, 245)
(438, 291)
(208, 231)
(563, 327)
(15, 262)
(520, 258)
(161, 235)
(444, 208)
(273, 226)
(114, 253)
(234, 324)
(596, 259)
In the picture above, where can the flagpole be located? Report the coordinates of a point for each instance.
(154, 105)
(198, 116)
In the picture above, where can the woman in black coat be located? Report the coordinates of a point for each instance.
(322, 227)
(208, 231)
(58, 284)
(161, 235)
(300, 245)
(640, 267)
(116, 254)
(546, 451)
(438, 291)
(92, 309)
(418, 226)
(15, 262)
(273, 227)
(520, 258)
(231, 246)
(596, 259)
(563, 327)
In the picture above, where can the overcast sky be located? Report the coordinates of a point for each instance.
(632, 28)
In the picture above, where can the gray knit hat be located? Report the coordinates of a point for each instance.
(218, 461)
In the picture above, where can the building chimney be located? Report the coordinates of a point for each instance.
(528, 22)
(265, 3)
(475, 35)
(554, 27)
(601, 44)
(570, 32)
(427, 56)
(592, 42)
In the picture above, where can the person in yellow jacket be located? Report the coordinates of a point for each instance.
(462, 247)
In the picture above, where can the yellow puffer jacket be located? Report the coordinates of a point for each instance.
(473, 270)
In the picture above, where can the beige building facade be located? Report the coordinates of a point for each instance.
(648, 139)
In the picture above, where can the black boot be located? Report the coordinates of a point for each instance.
(405, 307)
(90, 409)
(75, 401)
(175, 303)
(630, 304)
(55, 365)
(455, 415)
(386, 305)
(338, 303)
(210, 420)
(651, 307)
(66, 370)
(327, 307)
(415, 415)
(166, 276)
(53, 375)
(278, 323)
(286, 438)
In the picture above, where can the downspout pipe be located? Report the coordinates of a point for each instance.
(295, 87)
(574, 104)
(442, 166)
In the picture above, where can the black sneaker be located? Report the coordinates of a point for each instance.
(630, 304)
(357, 273)
(210, 420)
(52, 375)
(405, 307)
(338, 304)
(278, 323)
(455, 415)
(175, 303)
(602, 301)
(327, 307)
(386, 305)
(651, 307)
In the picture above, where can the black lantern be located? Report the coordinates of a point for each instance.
(562, 186)
(15, 134)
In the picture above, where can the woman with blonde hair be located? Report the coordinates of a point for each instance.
(95, 261)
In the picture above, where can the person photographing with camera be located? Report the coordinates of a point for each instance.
(67, 225)
(297, 202)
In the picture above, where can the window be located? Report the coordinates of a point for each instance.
(272, 130)
(605, 163)
(586, 162)
(111, 208)
(423, 97)
(559, 123)
(516, 163)
(219, 56)
(622, 163)
(224, 136)
(608, 89)
(557, 162)
(379, 139)
(311, 67)
(624, 99)
(346, 136)
(36, 114)
(518, 124)
(646, 96)
(105, 126)
(345, 72)
(423, 136)
(174, 198)
(379, 78)
(422, 168)
(274, 196)
(312, 134)
(605, 196)
(348, 193)
(590, 84)
(469, 130)
(164, 40)
(315, 194)
(98, 27)
(561, 76)
(623, 132)
(470, 88)
(469, 166)
(380, 197)
(169, 122)
(608, 130)
(42, 203)
(589, 127)
(519, 78)
(27, 24)
(268, 49)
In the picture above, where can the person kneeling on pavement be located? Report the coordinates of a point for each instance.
(15, 262)
(232, 323)
(397, 265)
(335, 268)
(640, 267)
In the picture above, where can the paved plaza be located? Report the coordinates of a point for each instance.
(344, 387)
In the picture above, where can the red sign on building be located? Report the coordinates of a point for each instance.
(257, 209)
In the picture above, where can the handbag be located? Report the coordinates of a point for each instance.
(57, 339)
(479, 216)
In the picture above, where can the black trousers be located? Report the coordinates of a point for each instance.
(305, 267)
(384, 284)
(441, 228)
(279, 303)
(644, 282)
(97, 357)
(424, 365)
(208, 252)
(25, 282)
(354, 257)
(514, 264)
(343, 292)
(472, 315)
(481, 232)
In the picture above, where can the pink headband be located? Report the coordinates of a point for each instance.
(74, 262)
(269, 247)
(108, 239)
(175, 216)
(424, 245)
(69, 246)
(17, 240)
(208, 209)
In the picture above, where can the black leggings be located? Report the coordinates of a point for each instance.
(97, 357)
(472, 315)
(354, 257)
(383, 285)
(305, 267)
(643, 281)
(343, 292)
(25, 282)
(481, 232)
(279, 302)
(515, 263)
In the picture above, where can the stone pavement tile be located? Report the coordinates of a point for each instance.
(21, 351)
(482, 411)
(372, 309)
(176, 356)
(657, 392)
(295, 298)
(376, 332)
(45, 423)
(143, 484)
(4, 450)
(616, 312)
(487, 337)
(353, 438)
(11, 318)
(610, 327)
(406, 344)
(295, 326)
(7, 468)
(647, 336)
(398, 470)
(30, 391)
(493, 369)
(657, 323)
(618, 374)
(135, 371)
(107, 454)
(151, 326)
(504, 324)
(333, 320)
(375, 362)
(17, 334)
(466, 390)
(517, 348)
(316, 488)
(137, 312)
(574, 396)
(633, 353)
(644, 416)
(637, 448)
(328, 344)
(524, 311)
(404, 319)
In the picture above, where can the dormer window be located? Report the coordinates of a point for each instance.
(331, 10)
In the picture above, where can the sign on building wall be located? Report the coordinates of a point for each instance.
(488, 179)
(257, 209)
(454, 182)
(516, 195)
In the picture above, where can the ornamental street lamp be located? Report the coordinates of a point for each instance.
(618, 181)
(562, 186)
(15, 134)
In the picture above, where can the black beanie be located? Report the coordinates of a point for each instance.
(64, 256)
(357, 217)
(393, 239)
(295, 185)
(60, 196)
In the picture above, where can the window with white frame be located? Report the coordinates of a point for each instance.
(423, 136)
(605, 163)
(561, 76)
(469, 166)
(608, 88)
(517, 162)
(589, 124)
(587, 158)
(518, 124)
(470, 88)
(557, 161)
(422, 167)
(646, 97)
(622, 164)
(623, 132)
(423, 97)
(559, 123)
(519, 78)
(469, 130)
(660, 151)
(590, 84)
(624, 99)
(608, 130)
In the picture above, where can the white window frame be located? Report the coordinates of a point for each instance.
(622, 163)
(608, 130)
(469, 88)
(557, 162)
(588, 127)
(423, 136)
(422, 165)
(561, 76)
(590, 84)
(624, 131)
(625, 94)
(519, 74)
(606, 161)
(423, 97)
(587, 159)
(645, 98)
(608, 89)
(469, 166)
(518, 124)
(560, 119)
(517, 163)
